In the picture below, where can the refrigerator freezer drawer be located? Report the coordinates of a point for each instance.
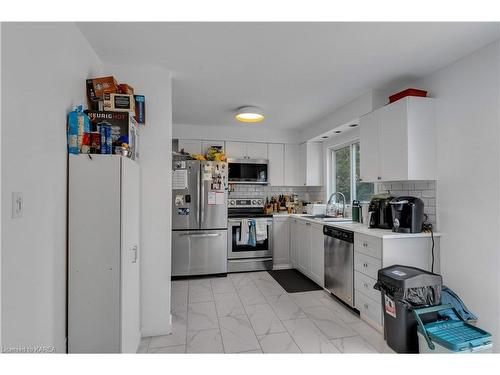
(199, 252)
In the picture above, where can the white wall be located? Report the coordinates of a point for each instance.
(155, 161)
(238, 132)
(44, 67)
(468, 144)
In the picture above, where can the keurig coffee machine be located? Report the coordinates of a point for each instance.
(379, 212)
(407, 214)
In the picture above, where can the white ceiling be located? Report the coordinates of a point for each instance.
(296, 72)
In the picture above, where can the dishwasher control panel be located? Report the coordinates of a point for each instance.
(343, 235)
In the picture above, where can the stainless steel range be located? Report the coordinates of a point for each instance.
(249, 236)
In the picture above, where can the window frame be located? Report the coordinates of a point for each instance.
(333, 169)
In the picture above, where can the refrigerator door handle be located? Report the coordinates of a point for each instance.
(202, 193)
(201, 234)
(198, 198)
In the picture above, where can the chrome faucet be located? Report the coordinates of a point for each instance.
(329, 204)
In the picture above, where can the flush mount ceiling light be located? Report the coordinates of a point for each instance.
(338, 131)
(249, 114)
(353, 125)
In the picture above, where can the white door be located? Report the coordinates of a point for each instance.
(393, 141)
(236, 150)
(205, 145)
(130, 256)
(305, 247)
(191, 146)
(276, 154)
(317, 254)
(281, 248)
(292, 165)
(369, 148)
(256, 151)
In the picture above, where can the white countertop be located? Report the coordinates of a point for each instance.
(360, 228)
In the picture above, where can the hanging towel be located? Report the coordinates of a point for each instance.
(252, 240)
(261, 230)
(244, 231)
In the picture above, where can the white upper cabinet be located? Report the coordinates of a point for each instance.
(276, 155)
(191, 146)
(205, 145)
(314, 164)
(235, 150)
(246, 150)
(292, 165)
(397, 142)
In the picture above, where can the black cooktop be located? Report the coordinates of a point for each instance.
(246, 213)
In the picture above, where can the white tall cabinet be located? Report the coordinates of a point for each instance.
(398, 141)
(103, 273)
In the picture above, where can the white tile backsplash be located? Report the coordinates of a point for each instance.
(425, 190)
(305, 193)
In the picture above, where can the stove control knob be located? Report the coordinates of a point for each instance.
(260, 202)
(231, 203)
(254, 202)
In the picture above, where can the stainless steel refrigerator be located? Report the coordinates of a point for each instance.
(199, 217)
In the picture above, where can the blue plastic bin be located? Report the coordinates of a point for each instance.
(450, 336)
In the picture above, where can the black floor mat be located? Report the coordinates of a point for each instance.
(293, 281)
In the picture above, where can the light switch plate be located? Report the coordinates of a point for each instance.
(17, 205)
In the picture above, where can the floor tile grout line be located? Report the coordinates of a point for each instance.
(218, 321)
(246, 313)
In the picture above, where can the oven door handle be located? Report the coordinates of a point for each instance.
(238, 221)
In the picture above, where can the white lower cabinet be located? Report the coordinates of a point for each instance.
(373, 253)
(307, 249)
(304, 234)
(317, 254)
(281, 242)
(294, 242)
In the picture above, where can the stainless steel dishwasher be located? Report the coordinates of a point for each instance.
(339, 263)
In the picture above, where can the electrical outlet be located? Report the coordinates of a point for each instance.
(17, 205)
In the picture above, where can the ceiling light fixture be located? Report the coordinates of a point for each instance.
(338, 131)
(353, 125)
(249, 114)
(325, 137)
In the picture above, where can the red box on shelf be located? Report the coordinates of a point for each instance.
(405, 93)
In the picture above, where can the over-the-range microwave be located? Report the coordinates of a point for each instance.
(248, 171)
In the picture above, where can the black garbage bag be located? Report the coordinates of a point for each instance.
(411, 286)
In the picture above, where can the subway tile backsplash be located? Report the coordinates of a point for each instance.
(425, 190)
(305, 193)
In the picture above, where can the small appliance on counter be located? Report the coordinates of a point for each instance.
(356, 211)
(316, 209)
(380, 212)
(407, 214)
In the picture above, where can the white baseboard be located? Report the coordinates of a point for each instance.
(282, 266)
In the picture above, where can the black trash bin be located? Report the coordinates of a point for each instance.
(404, 288)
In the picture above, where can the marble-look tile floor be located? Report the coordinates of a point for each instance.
(252, 313)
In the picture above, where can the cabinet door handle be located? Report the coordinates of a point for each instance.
(134, 249)
(379, 178)
(365, 265)
(365, 285)
(365, 244)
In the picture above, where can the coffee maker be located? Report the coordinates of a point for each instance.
(379, 212)
(407, 214)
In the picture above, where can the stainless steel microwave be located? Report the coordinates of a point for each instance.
(248, 171)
